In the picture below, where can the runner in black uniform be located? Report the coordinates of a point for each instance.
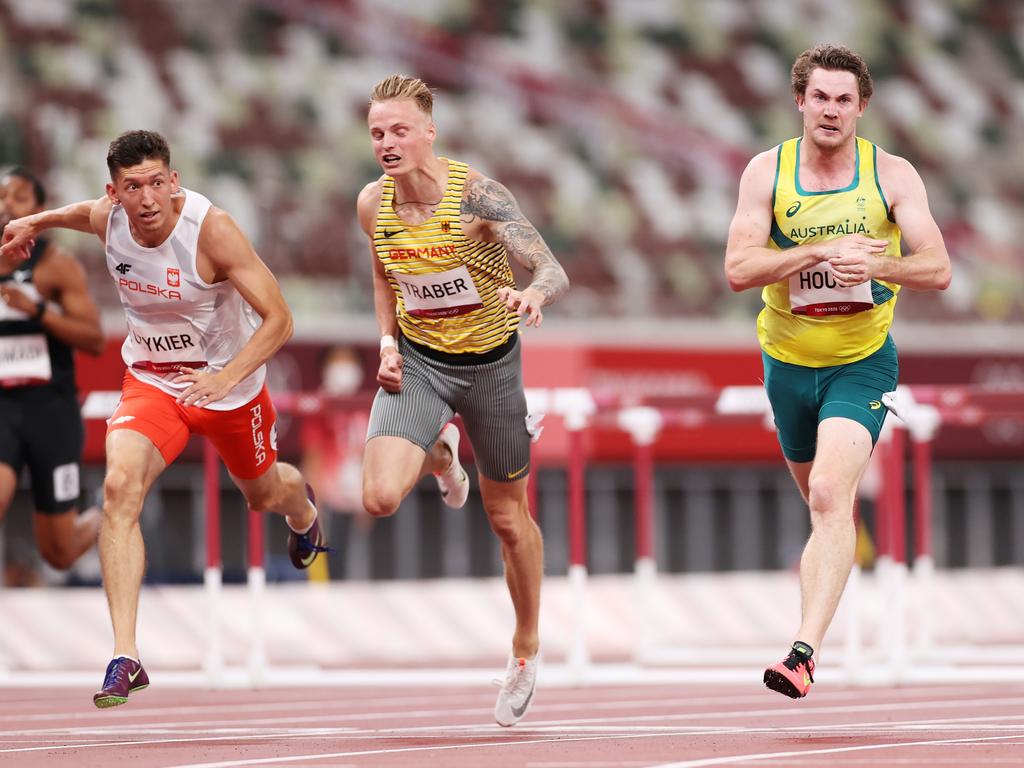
(46, 312)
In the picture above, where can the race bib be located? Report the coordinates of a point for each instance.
(165, 349)
(439, 294)
(24, 359)
(815, 292)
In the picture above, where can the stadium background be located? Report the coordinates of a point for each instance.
(622, 128)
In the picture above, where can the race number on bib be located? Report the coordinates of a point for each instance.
(815, 292)
(439, 294)
(24, 359)
(165, 348)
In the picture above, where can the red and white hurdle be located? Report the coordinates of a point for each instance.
(907, 644)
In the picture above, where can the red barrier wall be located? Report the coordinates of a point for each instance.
(645, 372)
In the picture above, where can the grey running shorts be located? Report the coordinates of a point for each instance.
(485, 390)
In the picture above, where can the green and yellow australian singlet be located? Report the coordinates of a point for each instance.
(446, 284)
(808, 319)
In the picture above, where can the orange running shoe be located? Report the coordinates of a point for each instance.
(794, 674)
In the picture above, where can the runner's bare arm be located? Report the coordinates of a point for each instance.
(384, 300)
(749, 262)
(223, 246)
(491, 214)
(78, 322)
(926, 264)
(85, 216)
(385, 303)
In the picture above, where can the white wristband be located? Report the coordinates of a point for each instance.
(387, 340)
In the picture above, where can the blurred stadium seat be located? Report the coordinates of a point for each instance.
(621, 126)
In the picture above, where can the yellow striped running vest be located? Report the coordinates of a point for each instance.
(445, 283)
(807, 319)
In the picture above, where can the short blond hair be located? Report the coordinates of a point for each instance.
(833, 58)
(404, 87)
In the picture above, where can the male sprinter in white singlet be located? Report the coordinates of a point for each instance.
(190, 284)
(441, 236)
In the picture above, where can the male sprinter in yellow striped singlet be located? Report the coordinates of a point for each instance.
(818, 227)
(441, 235)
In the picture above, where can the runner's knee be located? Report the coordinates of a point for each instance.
(509, 523)
(822, 496)
(379, 500)
(263, 499)
(57, 553)
(122, 494)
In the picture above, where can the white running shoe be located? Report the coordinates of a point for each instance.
(453, 482)
(516, 690)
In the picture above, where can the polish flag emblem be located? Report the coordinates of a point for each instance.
(173, 277)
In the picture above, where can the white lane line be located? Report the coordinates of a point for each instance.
(278, 704)
(748, 758)
(395, 750)
(604, 725)
(557, 735)
(421, 748)
(485, 714)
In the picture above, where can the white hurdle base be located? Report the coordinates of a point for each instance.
(724, 627)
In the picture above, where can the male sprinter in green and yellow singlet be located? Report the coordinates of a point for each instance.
(818, 225)
(441, 236)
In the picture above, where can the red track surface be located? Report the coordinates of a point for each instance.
(593, 727)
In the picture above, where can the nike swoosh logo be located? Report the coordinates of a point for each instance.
(518, 711)
(518, 472)
(390, 233)
(132, 678)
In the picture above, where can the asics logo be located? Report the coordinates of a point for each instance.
(133, 676)
(874, 405)
(791, 211)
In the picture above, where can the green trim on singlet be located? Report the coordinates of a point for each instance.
(852, 185)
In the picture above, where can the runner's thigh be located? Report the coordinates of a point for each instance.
(494, 413)
(423, 405)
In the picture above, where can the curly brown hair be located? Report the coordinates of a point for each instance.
(831, 57)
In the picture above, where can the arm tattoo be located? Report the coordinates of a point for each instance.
(490, 201)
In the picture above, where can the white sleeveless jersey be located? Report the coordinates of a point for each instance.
(175, 319)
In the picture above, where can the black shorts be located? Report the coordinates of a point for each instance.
(44, 432)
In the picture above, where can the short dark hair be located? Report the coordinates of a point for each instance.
(21, 172)
(132, 147)
(833, 58)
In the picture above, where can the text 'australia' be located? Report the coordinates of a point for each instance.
(827, 230)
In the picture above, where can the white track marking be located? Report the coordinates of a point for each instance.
(141, 710)
(580, 729)
(748, 758)
(690, 764)
(787, 712)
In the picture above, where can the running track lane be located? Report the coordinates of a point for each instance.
(593, 727)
